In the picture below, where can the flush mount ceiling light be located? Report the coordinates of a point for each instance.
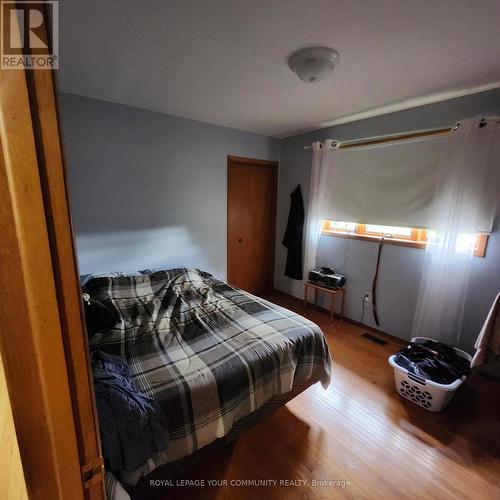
(313, 64)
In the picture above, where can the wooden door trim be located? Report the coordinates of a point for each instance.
(41, 90)
(43, 340)
(252, 162)
(45, 117)
(31, 339)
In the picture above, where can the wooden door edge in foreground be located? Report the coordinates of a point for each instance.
(51, 166)
(43, 338)
(238, 160)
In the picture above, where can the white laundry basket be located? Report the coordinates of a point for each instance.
(425, 393)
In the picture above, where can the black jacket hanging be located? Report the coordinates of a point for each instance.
(293, 236)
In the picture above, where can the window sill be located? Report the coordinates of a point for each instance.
(367, 237)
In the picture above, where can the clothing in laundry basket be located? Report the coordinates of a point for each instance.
(432, 360)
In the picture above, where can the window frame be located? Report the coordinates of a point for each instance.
(418, 238)
(481, 244)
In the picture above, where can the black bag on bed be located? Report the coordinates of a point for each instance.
(99, 316)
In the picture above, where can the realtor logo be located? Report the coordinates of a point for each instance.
(30, 35)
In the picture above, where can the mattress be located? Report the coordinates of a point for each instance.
(210, 354)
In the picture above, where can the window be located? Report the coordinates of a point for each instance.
(347, 227)
(407, 234)
(391, 231)
(404, 236)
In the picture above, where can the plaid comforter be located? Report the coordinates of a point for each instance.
(209, 353)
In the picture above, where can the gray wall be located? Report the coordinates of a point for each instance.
(149, 189)
(400, 266)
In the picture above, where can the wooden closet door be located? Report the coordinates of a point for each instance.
(251, 223)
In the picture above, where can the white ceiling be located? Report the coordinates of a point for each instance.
(224, 61)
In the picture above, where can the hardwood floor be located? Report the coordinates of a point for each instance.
(361, 432)
(12, 485)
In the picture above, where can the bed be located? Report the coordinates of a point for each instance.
(211, 355)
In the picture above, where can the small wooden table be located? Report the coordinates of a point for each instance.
(331, 291)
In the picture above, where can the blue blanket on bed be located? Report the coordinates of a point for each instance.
(132, 425)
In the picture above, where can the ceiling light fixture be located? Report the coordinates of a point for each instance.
(313, 64)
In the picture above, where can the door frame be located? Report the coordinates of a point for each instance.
(251, 162)
(43, 341)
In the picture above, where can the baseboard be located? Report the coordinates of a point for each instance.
(487, 376)
(381, 333)
(372, 329)
(352, 321)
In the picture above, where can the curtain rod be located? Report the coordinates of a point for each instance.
(398, 136)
